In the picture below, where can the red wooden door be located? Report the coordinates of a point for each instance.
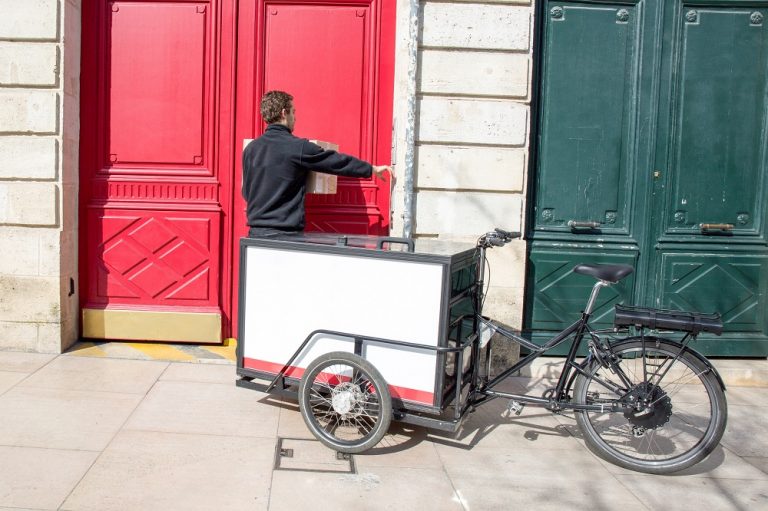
(336, 59)
(156, 168)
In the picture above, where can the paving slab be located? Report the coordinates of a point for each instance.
(35, 478)
(404, 446)
(161, 471)
(682, 493)
(204, 408)
(533, 479)
(291, 424)
(374, 489)
(203, 373)
(750, 396)
(9, 379)
(23, 362)
(746, 432)
(720, 464)
(63, 419)
(102, 374)
(760, 463)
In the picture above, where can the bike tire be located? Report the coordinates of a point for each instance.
(683, 424)
(345, 402)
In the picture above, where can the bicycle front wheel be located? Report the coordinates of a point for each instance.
(673, 407)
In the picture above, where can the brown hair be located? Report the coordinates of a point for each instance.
(272, 105)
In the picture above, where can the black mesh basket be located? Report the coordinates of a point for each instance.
(693, 322)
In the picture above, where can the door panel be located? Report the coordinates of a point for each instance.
(587, 137)
(302, 41)
(560, 292)
(734, 285)
(154, 257)
(717, 152)
(151, 169)
(730, 284)
(147, 67)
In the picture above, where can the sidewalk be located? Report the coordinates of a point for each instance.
(99, 433)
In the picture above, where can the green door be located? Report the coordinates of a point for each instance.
(651, 151)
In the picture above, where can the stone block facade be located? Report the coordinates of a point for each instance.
(471, 126)
(39, 105)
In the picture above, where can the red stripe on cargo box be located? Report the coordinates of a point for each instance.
(406, 394)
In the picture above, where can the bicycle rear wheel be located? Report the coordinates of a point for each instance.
(674, 408)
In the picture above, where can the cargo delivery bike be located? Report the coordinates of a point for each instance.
(642, 397)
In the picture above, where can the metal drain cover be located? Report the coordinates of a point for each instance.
(301, 454)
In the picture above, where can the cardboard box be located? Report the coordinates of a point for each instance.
(317, 182)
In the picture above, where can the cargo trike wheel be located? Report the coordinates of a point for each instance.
(345, 402)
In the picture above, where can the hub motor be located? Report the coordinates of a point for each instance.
(647, 407)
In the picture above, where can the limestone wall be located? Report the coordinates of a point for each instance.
(39, 126)
(472, 122)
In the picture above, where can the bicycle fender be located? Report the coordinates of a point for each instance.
(704, 360)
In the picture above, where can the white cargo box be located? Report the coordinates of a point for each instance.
(299, 287)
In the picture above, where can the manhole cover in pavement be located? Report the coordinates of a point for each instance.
(306, 455)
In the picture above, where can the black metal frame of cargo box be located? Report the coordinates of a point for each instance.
(404, 411)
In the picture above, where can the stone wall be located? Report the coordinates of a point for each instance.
(39, 126)
(471, 130)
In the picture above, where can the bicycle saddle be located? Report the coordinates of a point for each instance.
(608, 272)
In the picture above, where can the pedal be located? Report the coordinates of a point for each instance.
(515, 407)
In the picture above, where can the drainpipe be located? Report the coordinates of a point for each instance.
(410, 127)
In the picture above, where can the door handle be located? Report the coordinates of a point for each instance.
(705, 228)
(583, 224)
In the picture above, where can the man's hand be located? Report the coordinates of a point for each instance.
(379, 170)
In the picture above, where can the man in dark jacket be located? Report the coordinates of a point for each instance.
(275, 168)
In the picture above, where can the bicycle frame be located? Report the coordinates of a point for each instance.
(559, 400)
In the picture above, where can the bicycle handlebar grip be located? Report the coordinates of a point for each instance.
(508, 234)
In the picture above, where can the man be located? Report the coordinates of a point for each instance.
(275, 168)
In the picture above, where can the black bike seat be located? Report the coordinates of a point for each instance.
(608, 272)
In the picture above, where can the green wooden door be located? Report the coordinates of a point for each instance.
(651, 127)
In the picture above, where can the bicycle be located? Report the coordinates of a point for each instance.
(641, 400)
(622, 392)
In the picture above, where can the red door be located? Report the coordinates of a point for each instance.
(160, 206)
(156, 169)
(337, 60)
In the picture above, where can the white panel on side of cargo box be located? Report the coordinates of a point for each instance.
(291, 293)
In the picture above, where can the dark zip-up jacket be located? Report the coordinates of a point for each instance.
(275, 167)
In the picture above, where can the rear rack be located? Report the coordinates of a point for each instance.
(657, 319)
